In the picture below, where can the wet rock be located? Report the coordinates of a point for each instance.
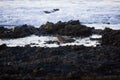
(18, 31)
(51, 11)
(51, 42)
(55, 9)
(111, 37)
(73, 22)
(2, 47)
(47, 12)
(76, 30)
(24, 30)
(108, 22)
(2, 29)
(70, 28)
(4, 32)
(97, 31)
(49, 26)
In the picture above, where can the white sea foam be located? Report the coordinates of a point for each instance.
(40, 41)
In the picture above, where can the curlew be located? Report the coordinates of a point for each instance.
(64, 39)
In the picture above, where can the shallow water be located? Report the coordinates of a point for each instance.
(40, 41)
(97, 12)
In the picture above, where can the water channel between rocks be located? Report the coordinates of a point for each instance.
(41, 41)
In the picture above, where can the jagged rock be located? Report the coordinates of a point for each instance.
(97, 31)
(70, 28)
(2, 47)
(76, 30)
(71, 62)
(49, 26)
(73, 22)
(4, 32)
(2, 29)
(111, 37)
(24, 30)
(51, 42)
(56, 9)
(18, 31)
(51, 11)
(47, 12)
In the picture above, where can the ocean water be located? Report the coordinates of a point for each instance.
(93, 13)
(97, 13)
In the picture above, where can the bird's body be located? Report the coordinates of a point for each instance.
(64, 39)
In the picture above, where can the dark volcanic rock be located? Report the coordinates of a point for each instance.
(24, 30)
(2, 29)
(51, 11)
(4, 32)
(2, 47)
(97, 31)
(70, 28)
(111, 37)
(17, 32)
(55, 9)
(70, 62)
(47, 12)
(73, 22)
(51, 42)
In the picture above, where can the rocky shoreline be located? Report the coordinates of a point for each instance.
(70, 28)
(62, 63)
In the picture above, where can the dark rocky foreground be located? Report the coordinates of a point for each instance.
(62, 63)
(70, 62)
